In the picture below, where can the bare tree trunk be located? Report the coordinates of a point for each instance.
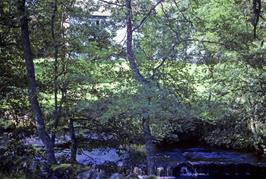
(130, 54)
(73, 140)
(149, 146)
(146, 84)
(32, 84)
(57, 108)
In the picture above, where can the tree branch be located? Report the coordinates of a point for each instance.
(147, 15)
(112, 3)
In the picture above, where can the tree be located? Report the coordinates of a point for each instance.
(32, 84)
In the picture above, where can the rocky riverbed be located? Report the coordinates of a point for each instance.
(116, 162)
(182, 162)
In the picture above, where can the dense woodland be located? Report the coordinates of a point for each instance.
(186, 72)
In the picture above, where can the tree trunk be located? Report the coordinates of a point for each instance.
(149, 147)
(73, 141)
(57, 109)
(254, 129)
(32, 84)
(130, 54)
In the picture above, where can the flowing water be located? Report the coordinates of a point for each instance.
(211, 164)
(183, 163)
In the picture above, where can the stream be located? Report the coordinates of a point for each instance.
(210, 163)
(194, 162)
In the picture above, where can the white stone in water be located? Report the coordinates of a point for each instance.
(169, 171)
(159, 171)
(137, 171)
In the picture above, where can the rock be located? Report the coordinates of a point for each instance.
(117, 176)
(132, 176)
(87, 174)
(92, 174)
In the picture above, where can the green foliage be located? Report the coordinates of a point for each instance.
(15, 159)
(237, 98)
(62, 166)
(6, 124)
